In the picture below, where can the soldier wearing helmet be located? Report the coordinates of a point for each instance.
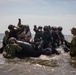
(13, 31)
(11, 48)
(55, 37)
(72, 44)
(73, 31)
(59, 31)
(38, 33)
(46, 37)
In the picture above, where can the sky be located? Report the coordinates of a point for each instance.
(38, 12)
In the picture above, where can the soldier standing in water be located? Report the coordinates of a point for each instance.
(72, 44)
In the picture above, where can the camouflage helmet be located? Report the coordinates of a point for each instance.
(73, 29)
(12, 40)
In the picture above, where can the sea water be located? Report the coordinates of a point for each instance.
(43, 65)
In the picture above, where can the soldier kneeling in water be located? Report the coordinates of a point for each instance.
(72, 44)
(11, 48)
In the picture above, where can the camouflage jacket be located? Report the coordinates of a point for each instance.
(10, 50)
(72, 46)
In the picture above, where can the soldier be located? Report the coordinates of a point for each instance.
(46, 37)
(72, 44)
(38, 33)
(56, 38)
(28, 35)
(13, 31)
(11, 48)
(5, 40)
(59, 31)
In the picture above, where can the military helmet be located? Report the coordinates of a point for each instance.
(54, 28)
(73, 29)
(12, 40)
(46, 28)
(60, 28)
(40, 27)
(10, 26)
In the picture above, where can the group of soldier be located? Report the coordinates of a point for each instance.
(20, 32)
(48, 36)
(51, 36)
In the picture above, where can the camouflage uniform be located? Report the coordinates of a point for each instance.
(5, 38)
(11, 49)
(72, 44)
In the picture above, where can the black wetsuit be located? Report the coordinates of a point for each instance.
(38, 35)
(47, 38)
(56, 38)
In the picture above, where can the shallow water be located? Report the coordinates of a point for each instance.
(43, 65)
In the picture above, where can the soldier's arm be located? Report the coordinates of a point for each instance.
(72, 43)
(6, 48)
